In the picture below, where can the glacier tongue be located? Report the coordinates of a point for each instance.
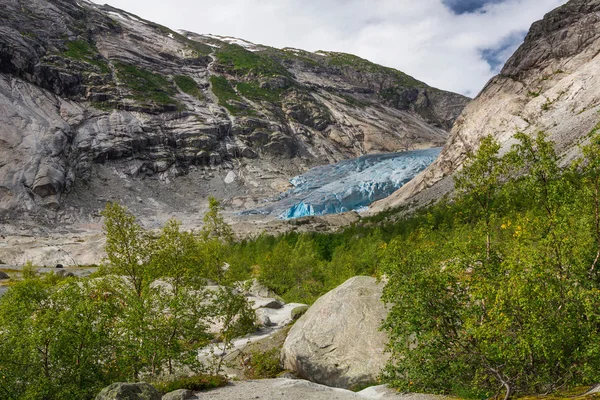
(349, 184)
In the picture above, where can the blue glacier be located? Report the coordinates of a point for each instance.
(348, 185)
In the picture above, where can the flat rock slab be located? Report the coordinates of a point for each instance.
(297, 389)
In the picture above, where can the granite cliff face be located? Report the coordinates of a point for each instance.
(550, 84)
(97, 104)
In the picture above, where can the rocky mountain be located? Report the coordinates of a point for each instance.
(97, 104)
(550, 84)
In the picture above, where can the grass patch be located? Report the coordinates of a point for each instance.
(225, 92)
(83, 51)
(240, 61)
(188, 86)
(533, 94)
(264, 364)
(146, 85)
(196, 382)
(253, 91)
(547, 104)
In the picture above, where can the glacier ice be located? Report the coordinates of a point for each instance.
(349, 184)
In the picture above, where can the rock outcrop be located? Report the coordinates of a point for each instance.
(298, 389)
(338, 342)
(97, 104)
(550, 84)
(181, 394)
(295, 389)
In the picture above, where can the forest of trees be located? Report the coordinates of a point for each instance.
(143, 316)
(495, 291)
(499, 293)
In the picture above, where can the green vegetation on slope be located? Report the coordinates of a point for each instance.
(146, 85)
(224, 92)
(188, 85)
(83, 51)
(294, 55)
(253, 91)
(228, 97)
(240, 61)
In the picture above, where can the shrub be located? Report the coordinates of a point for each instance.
(195, 382)
(263, 365)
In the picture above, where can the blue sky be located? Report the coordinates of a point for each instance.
(456, 45)
(468, 6)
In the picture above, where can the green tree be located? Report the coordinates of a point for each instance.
(177, 258)
(525, 322)
(128, 246)
(214, 223)
(480, 180)
(591, 180)
(235, 316)
(274, 268)
(55, 340)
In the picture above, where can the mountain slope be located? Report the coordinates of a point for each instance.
(98, 104)
(550, 84)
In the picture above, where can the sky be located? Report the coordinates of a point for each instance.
(456, 45)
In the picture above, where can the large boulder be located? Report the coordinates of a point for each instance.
(338, 342)
(129, 391)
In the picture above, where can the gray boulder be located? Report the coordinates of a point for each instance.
(338, 342)
(257, 289)
(264, 320)
(181, 394)
(129, 391)
(3, 276)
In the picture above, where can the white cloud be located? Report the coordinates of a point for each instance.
(420, 37)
